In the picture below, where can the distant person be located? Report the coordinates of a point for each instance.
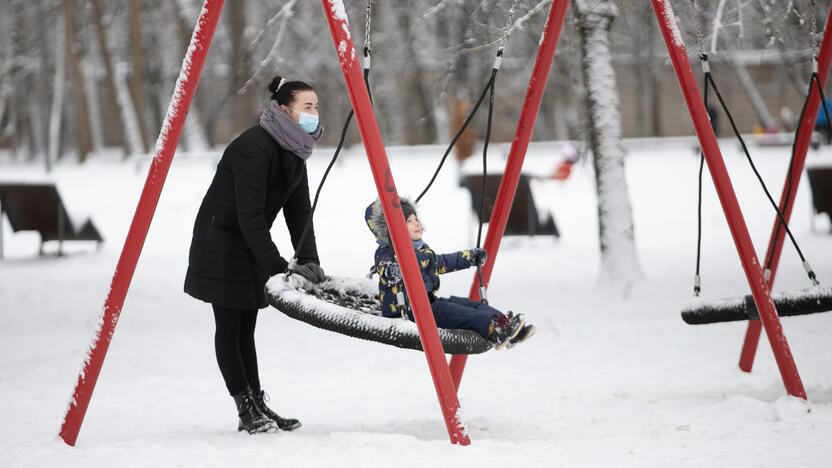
(232, 254)
(569, 155)
(713, 116)
(455, 312)
(822, 124)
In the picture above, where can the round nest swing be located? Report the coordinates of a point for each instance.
(350, 306)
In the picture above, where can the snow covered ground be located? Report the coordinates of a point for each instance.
(607, 381)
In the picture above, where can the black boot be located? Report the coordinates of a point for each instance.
(252, 419)
(285, 424)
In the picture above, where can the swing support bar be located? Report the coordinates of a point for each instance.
(804, 138)
(728, 199)
(165, 148)
(511, 174)
(368, 128)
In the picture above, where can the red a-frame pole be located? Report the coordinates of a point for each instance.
(801, 147)
(368, 127)
(522, 135)
(728, 199)
(165, 147)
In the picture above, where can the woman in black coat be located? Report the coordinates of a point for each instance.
(232, 254)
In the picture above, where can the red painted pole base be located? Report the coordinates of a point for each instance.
(728, 198)
(165, 147)
(390, 202)
(801, 147)
(511, 174)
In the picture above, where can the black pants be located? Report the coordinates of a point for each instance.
(234, 344)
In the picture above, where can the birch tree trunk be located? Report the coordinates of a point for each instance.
(129, 132)
(90, 69)
(7, 50)
(619, 260)
(128, 111)
(194, 135)
(42, 100)
(137, 70)
(58, 88)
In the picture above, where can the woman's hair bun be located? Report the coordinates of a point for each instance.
(275, 84)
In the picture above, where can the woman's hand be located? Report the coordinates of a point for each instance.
(311, 271)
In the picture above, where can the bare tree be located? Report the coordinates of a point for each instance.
(73, 54)
(619, 260)
(106, 60)
(58, 89)
(243, 103)
(137, 70)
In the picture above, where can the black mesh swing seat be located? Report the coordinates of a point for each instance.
(788, 303)
(350, 306)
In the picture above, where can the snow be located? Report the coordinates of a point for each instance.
(338, 10)
(672, 24)
(620, 260)
(604, 382)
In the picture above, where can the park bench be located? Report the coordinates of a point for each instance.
(523, 219)
(38, 207)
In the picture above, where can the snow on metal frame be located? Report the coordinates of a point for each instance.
(175, 106)
(672, 25)
(338, 10)
(165, 147)
(291, 298)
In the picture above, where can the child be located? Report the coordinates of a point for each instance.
(454, 312)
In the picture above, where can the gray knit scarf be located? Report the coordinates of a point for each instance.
(287, 133)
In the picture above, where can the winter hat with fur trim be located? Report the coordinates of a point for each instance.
(374, 216)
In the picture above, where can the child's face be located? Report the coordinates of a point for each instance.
(414, 227)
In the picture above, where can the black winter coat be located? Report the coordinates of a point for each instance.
(232, 254)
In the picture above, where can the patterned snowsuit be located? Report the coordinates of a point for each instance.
(454, 312)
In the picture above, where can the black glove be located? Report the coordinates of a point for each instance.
(311, 271)
(479, 255)
(391, 273)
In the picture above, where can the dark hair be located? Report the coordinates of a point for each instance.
(285, 95)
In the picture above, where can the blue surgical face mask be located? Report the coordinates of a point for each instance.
(308, 122)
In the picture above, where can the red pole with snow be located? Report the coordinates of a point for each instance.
(522, 135)
(368, 127)
(728, 199)
(165, 147)
(801, 147)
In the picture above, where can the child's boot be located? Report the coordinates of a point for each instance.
(525, 333)
(502, 329)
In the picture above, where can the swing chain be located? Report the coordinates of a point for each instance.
(504, 39)
(813, 27)
(368, 24)
(700, 36)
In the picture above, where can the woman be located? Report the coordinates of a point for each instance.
(232, 254)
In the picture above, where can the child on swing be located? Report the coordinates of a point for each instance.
(454, 312)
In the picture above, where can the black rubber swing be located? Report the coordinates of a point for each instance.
(350, 306)
(813, 300)
(788, 304)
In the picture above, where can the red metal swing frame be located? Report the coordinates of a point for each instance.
(760, 288)
(804, 139)
(446, 376)
(445, 384)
